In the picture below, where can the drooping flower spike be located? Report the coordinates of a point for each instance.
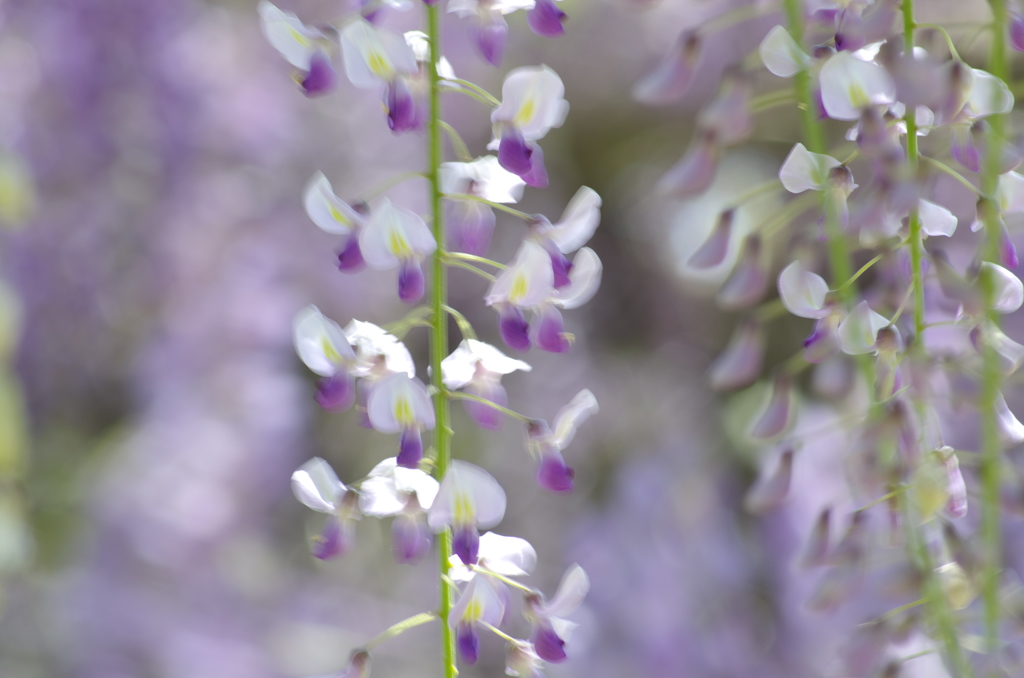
(305, 48)
(491, 32)
(547, 617)
(333, 215)
(469, 499)
(532, 104)
(406, 494)
(546, 445)
(478, 367)
(323, 347)
(395, 236)
(317, 486)
(471, 223)
(400, 404)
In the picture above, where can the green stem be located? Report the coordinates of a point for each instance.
(458, 145)
(861, 271)
(464, 326)
(400, 627)
(770, 186)
(991, 451)
(472, 258)
(459, 395)
(770, 100)
(913, 220)
(470, 267)
(439, 331)
(946, 169)
(480, 93)
(496, 205)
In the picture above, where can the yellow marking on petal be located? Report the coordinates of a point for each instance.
(299, 37)
(858, 96)
(330, 352)
(398, 245)
(473, 611)
(462, 510)
(379, 65)
(403, 413)
(526, 112)
(337, 215)
(520, 287)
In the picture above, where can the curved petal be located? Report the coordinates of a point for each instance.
(584, 280)
(988, 95)
(378, 496)
(858, 331)
(533, 100)
(1009, 291)
(394, 234)
(294, 40)
(672, 77)
(1011, 431)
(579, 409)
(802, 292)
(399, 403)
(571, 592)
(375, 55)
(483, 177)
(771, 490)
(320, 342)
(468, 495)
(326, 209)
(373, 342)
(528, 282)
(507, 556)
(781, 55)
(849, 85)
(578, 222)
(805, 171)
(317, 486)
(741, 361)
(936, 219)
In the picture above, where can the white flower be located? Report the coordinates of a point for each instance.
(505, 556)
(327, 210)
(849, 85)
(528, 282)
(578, 222)
(321, 343)
(375, 55)
(472, 357)
(388, 488)
(470, 8)
(533, 101)
(1008, 289)
(317, 486)
(296, 42)
(805, 171)
(377, 348)
(394, 235)
(858, 331)
(802, 292)
(781, 55)
(400, 403)
(936, 219)
(484, 177)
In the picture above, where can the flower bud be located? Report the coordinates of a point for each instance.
(694, 172)
(672, 77)
(815, 551)
(777, 415)
(545, 19)
(716, 247)
(770, 490)
(955, 585)
(740, 363)
(749, 280)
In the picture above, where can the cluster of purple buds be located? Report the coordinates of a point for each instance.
(367, 366)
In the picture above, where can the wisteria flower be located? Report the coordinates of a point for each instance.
(521, 660)
(498, 554)
(570, 233)
(375, 56)
(303, 47)
(527, 283)
(323, 347)
(672, 77)
(400, 404)
(395, 236)
(491, 31)
(317, 486)
(858, 331)
(380, 354)
(549, 626)
(850, 84)
(740, 363)
(781, 54)
(406, 494)
(469, 499)
(333, 215)
(471, 223)
(805, 171)
(803, 292)
(546, 445)
(478, 367)
(533, 102)
(483, 601)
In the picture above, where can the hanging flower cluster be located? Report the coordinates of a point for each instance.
(905, 317)
(368, 366)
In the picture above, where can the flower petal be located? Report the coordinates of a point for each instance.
(989, 95)
(528, 282)
(805, 171)
(467, 493)
(320, 342)
(571, 591)
(507, 556)
(532, 100)
(294, 40)
(670, 80)
(584, 280)
(858, 331)
(936, 219)
(803, 292)
(317, 486)
(393, 235)
(849, 85)
(781, 55)
(580, 408)
(1008, 289)
(578, 222)
(327, 210)
(399, 403)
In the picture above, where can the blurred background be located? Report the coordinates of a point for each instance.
(152, 408)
